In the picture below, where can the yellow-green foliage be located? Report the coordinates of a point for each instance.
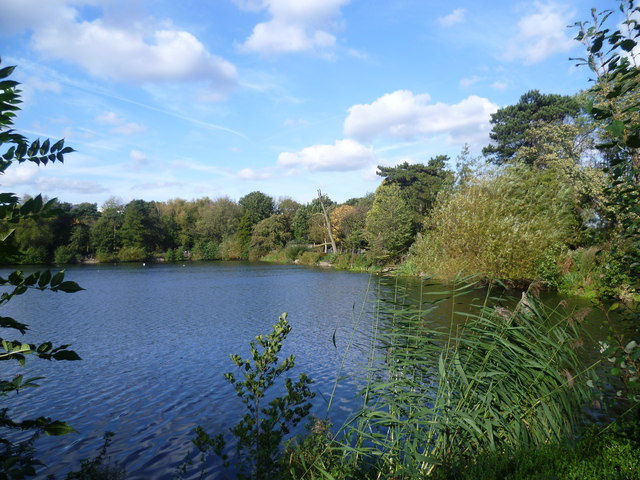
(132, 254)
(499, 226)
(309, 258)
(230, 249)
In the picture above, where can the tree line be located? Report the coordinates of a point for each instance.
(538, 204)
(554, 197)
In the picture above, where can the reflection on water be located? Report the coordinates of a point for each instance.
(156, 340)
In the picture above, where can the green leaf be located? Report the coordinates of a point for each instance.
(58, 428)
(57, 278)
(45, 277)
(69, 287)
(616, 128)
(628, 44)
(69, 355)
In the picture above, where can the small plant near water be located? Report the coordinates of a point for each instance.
(261, 431)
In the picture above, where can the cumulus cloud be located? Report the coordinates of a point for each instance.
(253, 174)
(119, 125)
(21, 174)
(455, 17)
(131, 51)
(295, 26)
(343, 155)
(403, 114)
(540, 35)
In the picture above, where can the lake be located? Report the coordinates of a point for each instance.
(155, 341)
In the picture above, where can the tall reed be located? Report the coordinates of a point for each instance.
(497, 379)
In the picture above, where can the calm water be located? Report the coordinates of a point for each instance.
(156, 340)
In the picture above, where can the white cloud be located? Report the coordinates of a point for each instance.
(295, 26)
(58, 184)
(455, 17)
(109, 118)
(402, 114)
(252, 174)
(138, 157)
(18, 15)
(20, 174)
(120, 125)
(129, 128)
(499, 85)
(343, 155)
(295, 122)
(124, 51)
(540, 35)
(470, 81)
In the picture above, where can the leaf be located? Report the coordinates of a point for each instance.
(58, 428)
(616, 128)
(57, 278)
(45, 277)
(69, 355)
(68, 287)
(628, 44)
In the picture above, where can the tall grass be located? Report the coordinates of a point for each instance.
(497, 379)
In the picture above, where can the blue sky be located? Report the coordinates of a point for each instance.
(165, 99)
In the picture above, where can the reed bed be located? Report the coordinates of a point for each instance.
(496, 380)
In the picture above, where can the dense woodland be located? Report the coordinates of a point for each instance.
(541, 203)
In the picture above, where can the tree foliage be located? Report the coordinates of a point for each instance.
(510, 124)
(501, 226)
(17, 458)
(612, 58)
(419, 183)
(257, 206)
(389, 225)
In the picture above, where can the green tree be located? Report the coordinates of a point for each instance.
(105, 234)
(141, 226)
(389, 225)
(257, 206)
(510, 124)
(217, 220)
(501, 226)
(269, 234)
(419, 184)
(17, 458)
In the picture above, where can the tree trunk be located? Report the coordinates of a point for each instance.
(327, 222)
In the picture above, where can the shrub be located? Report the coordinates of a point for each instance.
(35, 256)
(500, 227)
(292, 252)
(106, 257)
(206, 251)
(65, 254)
(309, 258)
(132, 254)
(230, 249)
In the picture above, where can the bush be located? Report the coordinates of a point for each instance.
(309, 258)
(35, 256)
(292, 252)
(230, 249)
(500, 227)
(65, 254)
(106, 257)
(580, 273)
(206, 251)
(132, 254)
